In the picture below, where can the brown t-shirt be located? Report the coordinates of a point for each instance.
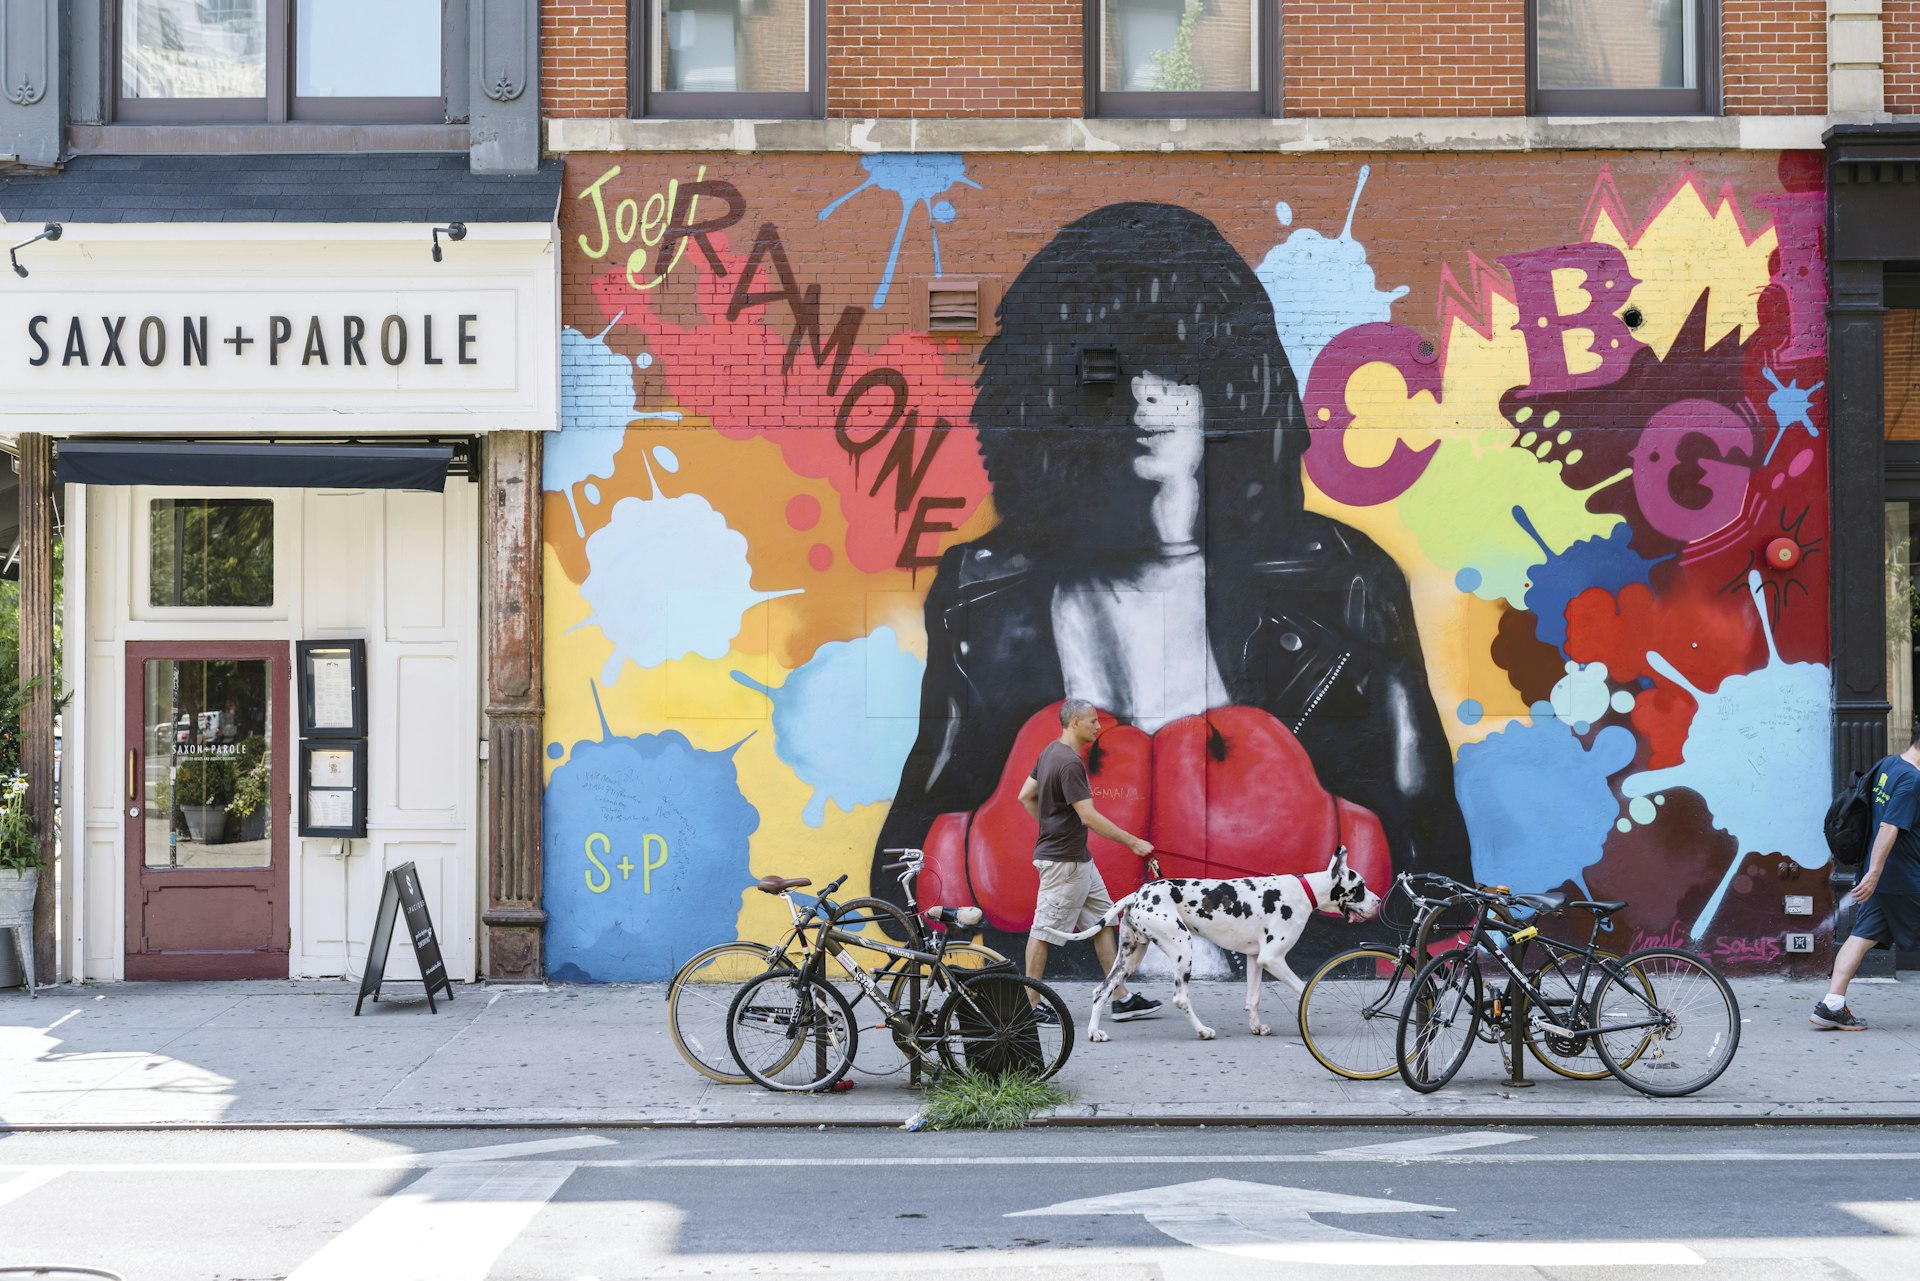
(1062, 777)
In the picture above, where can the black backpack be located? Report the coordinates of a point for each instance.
(1849, 824)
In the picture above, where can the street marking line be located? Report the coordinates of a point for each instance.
(502, 1151)
(21, 1184)
(450, 1224)
(413, 1159)
(1433, 1145)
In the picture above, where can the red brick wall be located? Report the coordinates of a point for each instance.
(1421, 58)
(1901, 25)
(583, 58)
(1773, 56)
(954, 58)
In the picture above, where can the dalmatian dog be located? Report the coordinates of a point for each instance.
(1261, 917)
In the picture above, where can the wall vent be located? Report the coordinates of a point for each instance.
(1099, 365)
(953, 306)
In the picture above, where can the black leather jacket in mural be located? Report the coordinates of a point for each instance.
(1321, 637)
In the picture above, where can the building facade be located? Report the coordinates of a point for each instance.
(282, 337)
(1410, 428)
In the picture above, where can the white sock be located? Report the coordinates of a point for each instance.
(1835, 1001)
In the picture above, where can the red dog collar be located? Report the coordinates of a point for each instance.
(1314, 900)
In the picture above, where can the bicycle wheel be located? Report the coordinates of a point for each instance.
(791, 1033)
(988, 1025)
(1569, 1007)
(1350, 1013)
(699, 997)
(1438, 1023)
(960, 957)
(1697, 1028)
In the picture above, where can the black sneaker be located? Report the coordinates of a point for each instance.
(1840, 1020)
(1134, 1007)
(1043, 1014)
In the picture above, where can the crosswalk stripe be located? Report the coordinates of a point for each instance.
(1433, 1144)
(21, 1184)
(450, 1224)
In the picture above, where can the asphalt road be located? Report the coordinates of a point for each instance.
(1198, 1204)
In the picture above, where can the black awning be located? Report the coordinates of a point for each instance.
(251, 466)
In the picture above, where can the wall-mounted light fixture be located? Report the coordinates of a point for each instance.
(453, 230)
(50, 232)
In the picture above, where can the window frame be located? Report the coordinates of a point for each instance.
(1703, 100)
(286, 563)
(281, 105)
(672, 104)
(1262, 101)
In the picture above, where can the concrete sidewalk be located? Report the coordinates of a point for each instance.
(201, 1054)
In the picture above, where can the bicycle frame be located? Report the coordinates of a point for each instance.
(1490, 918)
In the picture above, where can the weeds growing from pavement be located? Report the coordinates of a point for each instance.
(970, 1100)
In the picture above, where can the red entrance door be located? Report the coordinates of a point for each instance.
(206, 837)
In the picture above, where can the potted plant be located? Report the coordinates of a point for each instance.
(203, 787)
(19, 852)
(249, 804)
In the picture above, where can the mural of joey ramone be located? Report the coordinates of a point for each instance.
(1258, 664)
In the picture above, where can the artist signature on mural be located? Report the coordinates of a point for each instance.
(1727, 949)
(654, 231)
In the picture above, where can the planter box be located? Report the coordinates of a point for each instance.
(206, 824)
(17, 891)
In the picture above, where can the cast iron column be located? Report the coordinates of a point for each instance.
(1856, 313)
(514, 919)
(36, 677)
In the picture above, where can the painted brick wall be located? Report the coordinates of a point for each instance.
(1424, 58)
(1774, 56)
(998, 58)
(583, 58)
(1901, 28)
(1560, 556)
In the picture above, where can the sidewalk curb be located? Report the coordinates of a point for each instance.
(1370, 1121)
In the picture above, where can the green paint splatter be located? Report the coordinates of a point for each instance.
(1461, 511)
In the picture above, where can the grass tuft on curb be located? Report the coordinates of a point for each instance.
(969, 1100)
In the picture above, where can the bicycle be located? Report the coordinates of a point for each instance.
(1350, 1007)
(990, 1020)
(1661, 1020)
(703, 988)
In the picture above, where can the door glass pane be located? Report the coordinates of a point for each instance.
(193, 48)
(367, 49)
(1902, 606)
(1616, 44)
(206, 797)
(211, 551)
(728, 46)
(1179, 46)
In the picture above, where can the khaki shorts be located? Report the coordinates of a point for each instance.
(1072, 898)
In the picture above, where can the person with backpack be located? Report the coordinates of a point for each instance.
(1887, 896)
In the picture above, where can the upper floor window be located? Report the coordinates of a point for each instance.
(221, 61)
(1624, 57)
(1176, 58)
(729, 58)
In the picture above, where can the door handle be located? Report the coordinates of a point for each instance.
(133, 757)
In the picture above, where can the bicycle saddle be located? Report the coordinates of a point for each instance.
(1541, 902)
(780, 884)
(1598, 908)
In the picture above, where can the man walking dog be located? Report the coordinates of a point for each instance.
(1887, 896)
(1072, 896)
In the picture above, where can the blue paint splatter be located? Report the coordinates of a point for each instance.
(1791, 406)
(1467, 580)
(845, 720)
(916, 179)
(1607, 563)
(1753, 748)
(597, 402)
(1537, 804)
(651, 799)
(555, 751)
(1471, 712)
(1321, 287)
(667, 577)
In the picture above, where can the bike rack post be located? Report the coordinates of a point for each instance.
(918, 1014)
(1516, 1035)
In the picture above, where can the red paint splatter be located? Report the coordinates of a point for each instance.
(803, 511)
(730, 372)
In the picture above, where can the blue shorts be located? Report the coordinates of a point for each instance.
(1890, 918)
